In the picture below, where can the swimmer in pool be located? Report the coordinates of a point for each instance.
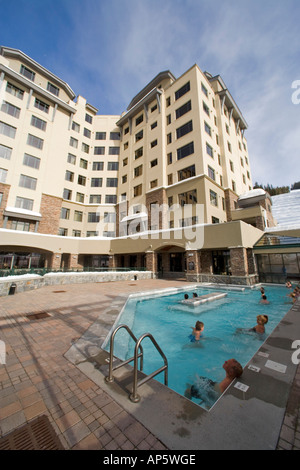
(206, 389)
(264, 300)
(262, 320)
(197, 331)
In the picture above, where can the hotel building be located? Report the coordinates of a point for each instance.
(76, 185)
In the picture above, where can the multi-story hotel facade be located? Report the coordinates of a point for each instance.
(79, 189)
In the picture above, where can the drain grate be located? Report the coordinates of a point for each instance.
(37, 435)
(38, 315)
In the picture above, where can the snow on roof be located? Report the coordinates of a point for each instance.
(253, 193)
(286, 210)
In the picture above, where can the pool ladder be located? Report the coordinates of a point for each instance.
(138, 354)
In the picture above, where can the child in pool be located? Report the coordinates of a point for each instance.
(197, 331)
(262, 320)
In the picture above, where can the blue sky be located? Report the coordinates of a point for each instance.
(108, 50)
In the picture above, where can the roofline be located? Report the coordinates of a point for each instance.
(152, 84)
(11, 52)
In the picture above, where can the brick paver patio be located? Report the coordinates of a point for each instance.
(38, 380)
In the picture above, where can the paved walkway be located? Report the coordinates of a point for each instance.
(38, 380)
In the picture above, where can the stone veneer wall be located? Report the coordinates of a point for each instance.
(34, 281)
(4, 189)
(50, 210)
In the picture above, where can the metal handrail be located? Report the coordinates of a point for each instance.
(110, 377)
(134, 397)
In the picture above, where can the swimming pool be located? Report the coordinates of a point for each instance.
(170, 323)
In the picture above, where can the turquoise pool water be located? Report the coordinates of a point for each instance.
(170, 323)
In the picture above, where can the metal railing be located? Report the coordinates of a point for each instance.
(138, 354)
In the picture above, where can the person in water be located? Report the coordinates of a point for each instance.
(262, 320)
(264, 300)
(210, 390)
(197, 331)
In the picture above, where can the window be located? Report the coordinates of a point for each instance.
(75, 127)
(95, 199)
(153, 163)
(213, 198)
(169, 158)
(153, 143)
(41, 105)
(67, 194)
(112, 166)
(229, 147)
(96, 182)
(85, 147)
(7, 130)
(189, 197)
(76, 233)
(3, 175)
(233, 186)
(83, 163)
(185, 108)
(93, 217)
(170, 178)
(39, 123)
(154, 125)
(206, 108)
(62, 232)
(99, 150)
(137, 190)
(209, 150)
(80, 197)
(87, 133)
(153, 184)
(73, 142)
(53, 89)
(98, 166)
(114, 151)
(124, 179)
(182, 91)
(126, 130)
(185, 173)
(89, 118)
(109, 217)
(27, 182)
(20, 225)
(139, 135)
(231, 166)
(114, 136)
(69, 176)
(186, 150)
(71, 158)
(81, 180)
(111, 182)
(5, 152)
(35, 141)
(65, 213)
(185, 129)
(138, 153)
(138, 171)
(10, 109)
(207, 128)
(211, 173)
(100, 136)
(110, 199)
(24, 203)
(204, 89)
(78, 216)
(15, 91)
(27, 73)
(139, 120)
(30, 160)
(125, 161)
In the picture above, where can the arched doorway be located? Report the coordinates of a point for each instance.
(171, 262)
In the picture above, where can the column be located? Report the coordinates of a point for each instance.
(239, 261)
